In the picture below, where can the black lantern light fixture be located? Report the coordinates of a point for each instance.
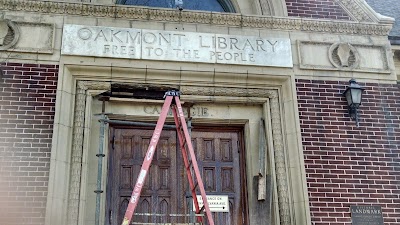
(353, 95)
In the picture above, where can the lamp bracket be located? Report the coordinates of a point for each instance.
(353, 113)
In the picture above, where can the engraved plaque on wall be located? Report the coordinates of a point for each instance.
(175, 46)
(366, 215)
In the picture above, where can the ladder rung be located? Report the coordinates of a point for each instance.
(171, 215)
(195, 186)
(202, 209)
(189, 165)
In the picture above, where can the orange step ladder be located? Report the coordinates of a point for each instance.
(172, 102)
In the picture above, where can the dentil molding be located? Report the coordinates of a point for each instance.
(364, 23)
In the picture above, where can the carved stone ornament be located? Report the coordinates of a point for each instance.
(344, 56)
(355, 10)
(363, 25)
(9, 34)
(77, 146)
(266, 7)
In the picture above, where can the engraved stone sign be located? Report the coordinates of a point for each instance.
(175, 46)
(366, 215)
(195, 111)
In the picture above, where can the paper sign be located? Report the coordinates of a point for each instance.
(217, 203)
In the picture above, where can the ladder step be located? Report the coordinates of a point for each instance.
(202, 209)
(190, 165)
(195, 186)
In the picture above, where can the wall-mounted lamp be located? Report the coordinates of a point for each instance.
(353, 95)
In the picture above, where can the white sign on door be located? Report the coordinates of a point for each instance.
(217, 203)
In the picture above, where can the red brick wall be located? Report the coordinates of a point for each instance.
(318, 9)
(27, 102)
(348, 165)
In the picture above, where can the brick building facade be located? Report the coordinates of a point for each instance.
(347, 165)
(28, 95)
(318, 9)
(318, 162)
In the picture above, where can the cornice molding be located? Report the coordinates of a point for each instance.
(355, 11)
(364, 26)
(360, 11)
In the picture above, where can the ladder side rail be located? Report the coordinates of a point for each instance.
(186, 161)
(146, 162)
(194, 161)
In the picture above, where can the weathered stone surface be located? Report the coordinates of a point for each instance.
(175, 46)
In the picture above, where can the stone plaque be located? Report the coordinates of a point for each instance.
(366, 215)
(175, 46)
(361, 58)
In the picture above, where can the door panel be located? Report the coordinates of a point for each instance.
(127, 157)
(166, 187)
(219, 160)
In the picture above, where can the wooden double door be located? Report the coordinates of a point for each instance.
(165, 192)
